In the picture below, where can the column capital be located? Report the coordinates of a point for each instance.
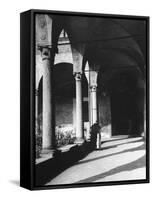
(78, 76)
(93, 88)
(47, 52)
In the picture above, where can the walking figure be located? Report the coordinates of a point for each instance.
(95, 136)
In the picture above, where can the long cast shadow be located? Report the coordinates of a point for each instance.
(112, 146)
(46, 171)
(139, 163)
(113, 154)
(49, 169)
(122, 138)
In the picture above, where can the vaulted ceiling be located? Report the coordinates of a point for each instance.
(117, 45)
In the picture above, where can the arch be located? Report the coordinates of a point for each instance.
(65, 82)
(64, 49)
(125, 88)
(65, 96)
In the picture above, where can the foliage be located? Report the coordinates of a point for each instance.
(64, 135)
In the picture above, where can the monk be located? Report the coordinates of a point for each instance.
(95, 136)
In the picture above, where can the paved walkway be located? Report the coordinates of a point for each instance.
(118, 159)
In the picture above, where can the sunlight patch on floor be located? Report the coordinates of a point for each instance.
(135, 174)
(99, 163)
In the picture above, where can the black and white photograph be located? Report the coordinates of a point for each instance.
(90, 99)
(76, 92)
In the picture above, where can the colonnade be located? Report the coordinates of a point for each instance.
(46, 40)
(47, 49)
(48, 124)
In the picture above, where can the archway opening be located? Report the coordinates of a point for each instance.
(127, 103)
(121, 101)
(65, 103)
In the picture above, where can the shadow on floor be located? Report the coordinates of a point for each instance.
(142, 147)
(113, 146)
(139, 163)
(49, 169)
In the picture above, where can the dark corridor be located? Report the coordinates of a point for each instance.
(127, 109)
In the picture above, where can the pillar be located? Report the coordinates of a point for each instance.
(93, 95)
(48, 139)
(79, 117)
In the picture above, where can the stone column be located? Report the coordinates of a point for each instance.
(93, 94)
(48, 140)
(79, 117)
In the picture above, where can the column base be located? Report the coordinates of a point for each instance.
(53, 152)
(79, 141)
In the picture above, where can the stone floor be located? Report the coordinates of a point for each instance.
(120, 158)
